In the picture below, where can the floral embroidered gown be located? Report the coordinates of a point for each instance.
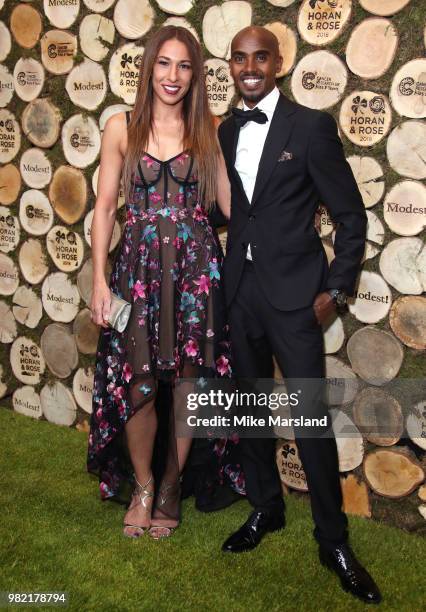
(167, 266)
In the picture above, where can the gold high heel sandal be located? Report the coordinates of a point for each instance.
(154, 530)
(139, 489)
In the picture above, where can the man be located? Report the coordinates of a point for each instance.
(282, 160)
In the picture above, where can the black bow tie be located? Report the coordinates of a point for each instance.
(242, 117)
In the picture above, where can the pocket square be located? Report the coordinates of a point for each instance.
(285, 156)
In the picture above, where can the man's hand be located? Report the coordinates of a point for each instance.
(324, 307)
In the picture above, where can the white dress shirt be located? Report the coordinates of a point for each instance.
(250, 145)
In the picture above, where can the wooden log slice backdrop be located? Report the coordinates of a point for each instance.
(60, 297)
(221, 23)
(281, 3)
(416, 425)
(98, 6)
(408, 320)
(109, 111)
(319, 23)
(290, 466)
(58, 404)
(65, 247)
(86, 333)
(319, 80)
(86, 85)
(26, 400)
(365, 117)
(378, 416)
(183, 23)
(356, 498)
(9, 230)
(375, 355)
(8, 327)
(378, 7)
(369, 177)
(133, 18)
(372, 300)
(176, 7)
(35, 212)
(85, 279)
(27, 308)
(123, 72)
(27, 361)
(341, 381)
(10, 184)
(58, 49)
(9, 275)
(422, 492)
(350, 445)
(334, 335)
(392, 473)
(403, 265)
(404, 208)
(68, 194)
(61, 14)
(28, 78)
(81, 140)
(41, 122)
(7, 86)
(219, 85)
(96, 36)
(10, 136)
(26, 25)
(371, 48)
(287, 40)
(33, 261)
(59, 349)
(3, 385)
(82, 386)
(406, 149)
(5, 41)
(408, 89)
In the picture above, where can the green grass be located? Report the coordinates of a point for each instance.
(57, 535)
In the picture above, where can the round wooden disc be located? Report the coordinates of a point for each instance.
(10, 136)
(342, 383)
(7, 86)
(290, 466)
(133, 18)
(391, 473)
(370, 251)
(123, 74)
(116, 232)
(375, 228)
(282, 3)
(369, 177)
(403, 264)
(27, 401)
(8, 327)
(5, 42)
(111, 110)
(326, 224)
(334, 336)
(219, 85)
(287, 40)
(65, 247)
(10, 184)
(26, 25)
(59, 349)
(81, 140)
(371, 48)
(319, 80)
(422, 492)
(27, 360)
(61, 13)
(375, 355)
(58, 404)
(408, 321)
(406, 149)
(41, 122)
(9, 275)
(68, 194)
(378, 415)
(86, 85)
(9, 230)
(82, 386)
(28, 76)
(121, 198)
(221, 23)
(96, 36)
(175, 7)
(350, 445)
(86, 333)
(85, 279)
(378, 7)
(320, 23)
(408, 89)
(365, 117)
(32, 261)
(98, 6)
(35, 212)
(355, 496)
(27, 307)
(35, 167)
(183, 23)
(404, 208)
(58, 49)
(60, 297)
(416, 424)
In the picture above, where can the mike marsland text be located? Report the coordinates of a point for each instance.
(251, 421)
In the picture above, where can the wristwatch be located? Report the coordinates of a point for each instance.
(338, 296)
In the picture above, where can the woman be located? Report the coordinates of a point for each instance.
(167, 266)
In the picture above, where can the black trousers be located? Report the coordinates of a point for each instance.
(259, 331)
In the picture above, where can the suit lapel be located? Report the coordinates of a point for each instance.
(277, 138)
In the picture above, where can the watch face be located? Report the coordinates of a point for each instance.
(341, 298)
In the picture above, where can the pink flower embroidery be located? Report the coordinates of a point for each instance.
(155, 197)
(127, 372)
(222, 364)
(203, 284)
(209, 333)
(191, 348)
(138, 290)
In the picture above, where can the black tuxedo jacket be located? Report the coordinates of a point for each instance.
(302, 164)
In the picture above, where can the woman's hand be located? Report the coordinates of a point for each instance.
(100, 304)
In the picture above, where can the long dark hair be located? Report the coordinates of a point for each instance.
(199, 128)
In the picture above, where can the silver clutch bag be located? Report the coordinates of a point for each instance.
(119, 313)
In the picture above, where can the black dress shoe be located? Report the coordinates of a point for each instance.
(250, 534)
(353, 576)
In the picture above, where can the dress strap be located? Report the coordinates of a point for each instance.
(127, 117)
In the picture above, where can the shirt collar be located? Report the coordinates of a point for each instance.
(268, 103)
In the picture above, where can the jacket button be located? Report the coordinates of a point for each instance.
(252, 217)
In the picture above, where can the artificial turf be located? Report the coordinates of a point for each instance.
(56, 534)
